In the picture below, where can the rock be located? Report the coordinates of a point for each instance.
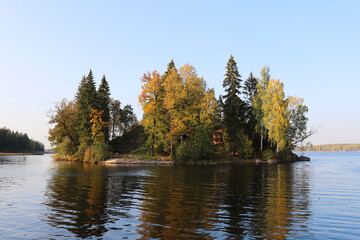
(303, 158)
(270, 161)
(258, 161)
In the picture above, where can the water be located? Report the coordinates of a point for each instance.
(43, 199)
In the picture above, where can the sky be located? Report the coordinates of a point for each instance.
(46, 47)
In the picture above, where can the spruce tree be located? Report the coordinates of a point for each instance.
(171, 65)
(103, 103)
(86, 100)
(250, 92)
(234, 109)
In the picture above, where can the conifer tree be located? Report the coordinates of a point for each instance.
(103, 104)
(250, 92)
(233, 106)
(171, 65)
(86, 100)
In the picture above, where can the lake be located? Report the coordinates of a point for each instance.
(43, 199)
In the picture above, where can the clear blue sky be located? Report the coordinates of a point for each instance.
(311, 46)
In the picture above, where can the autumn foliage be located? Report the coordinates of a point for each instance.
(182, 116)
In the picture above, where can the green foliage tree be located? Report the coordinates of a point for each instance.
(86, 100)
(65, 135)
(103, 104)
(81, 127)
(250, 92)
(199, 147)
(115, 118)
(234, 107)
(15, 142)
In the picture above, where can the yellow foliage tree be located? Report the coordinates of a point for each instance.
(98, 125)
(151, 103)
(188, 102)
(276, 115)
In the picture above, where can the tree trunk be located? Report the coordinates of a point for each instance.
(261, 139)
(152, 145)
(171, 147)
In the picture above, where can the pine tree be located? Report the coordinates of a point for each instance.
(233, 106)
(103, 104)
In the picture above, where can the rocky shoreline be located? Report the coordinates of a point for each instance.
(126, 161)
(136, 161)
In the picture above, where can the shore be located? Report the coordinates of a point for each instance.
(21, 154)
(136, 161)
(129, 161)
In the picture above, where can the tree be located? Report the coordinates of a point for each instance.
(170, 67)
(261, 87)
(233, 106)
(64, 134)
(115, 118)
(149, 100)
(276, 115)
(128, 118)
(103, 104)
(250, 92)
(297, 131)
(15, 142)
(97, 126)
(86, 99)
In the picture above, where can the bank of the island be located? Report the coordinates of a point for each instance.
(138, 161)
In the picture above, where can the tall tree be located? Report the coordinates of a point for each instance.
(297, 131)
(276, 115)
(233, 106)
(64, 134)
(86, 99)
(115, 118)
(149, 100)
(250, 92)
(103, 104)
(257, 103)
(128, 118)
(171, 65)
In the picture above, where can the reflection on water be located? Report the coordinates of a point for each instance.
(223, 201)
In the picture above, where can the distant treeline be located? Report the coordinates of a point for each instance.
(15, 142)
(330, 148)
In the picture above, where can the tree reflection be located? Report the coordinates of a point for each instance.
(180, 202)
(77, 196)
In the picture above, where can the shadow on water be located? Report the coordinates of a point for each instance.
(193, 202)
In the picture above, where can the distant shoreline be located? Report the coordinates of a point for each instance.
(21, 154)
(344, 147)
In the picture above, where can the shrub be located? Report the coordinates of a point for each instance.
(89, 154)
(246, 150)
(96, 153)
(182, 153)
(200, 147)
(268, 154)
(101, 151)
